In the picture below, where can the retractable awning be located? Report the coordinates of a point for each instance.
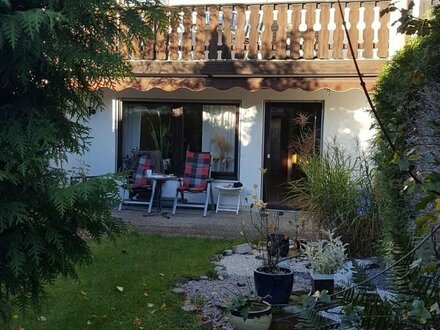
(337, 75)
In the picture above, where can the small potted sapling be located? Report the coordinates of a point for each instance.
(271, 280)
(249, 312)
(326, 257)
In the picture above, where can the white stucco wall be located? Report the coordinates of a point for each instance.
(344, 117)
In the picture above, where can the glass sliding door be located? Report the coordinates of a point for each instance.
(174, 128)
(285, 124)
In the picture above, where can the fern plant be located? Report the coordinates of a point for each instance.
(412, 301)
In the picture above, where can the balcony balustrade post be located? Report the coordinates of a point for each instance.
(280, 35)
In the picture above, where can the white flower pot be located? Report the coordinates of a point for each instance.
(257, 320)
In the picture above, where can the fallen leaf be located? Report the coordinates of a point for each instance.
(162, 274)
(163, 307)
(137, 322)
(120, 288)
(145, 294)
(42, 318)
(89, 322)
(150, 305)
(153, 311)
(15, 316)
(83, 293)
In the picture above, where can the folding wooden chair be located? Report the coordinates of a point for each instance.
(195, 180)
(138, 181)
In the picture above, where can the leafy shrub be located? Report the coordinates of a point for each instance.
(326, 256)
(337, 191)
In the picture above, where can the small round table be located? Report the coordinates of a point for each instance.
(158, 180)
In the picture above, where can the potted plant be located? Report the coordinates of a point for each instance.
(326, 257)
(249, 312)
(160, 131)
(271, 281)
(278, 243)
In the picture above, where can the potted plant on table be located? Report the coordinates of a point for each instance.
(249, 312)
(271, 281)
(223, 147)
(326, 257)
(160, 133)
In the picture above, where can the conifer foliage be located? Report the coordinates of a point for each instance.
(54, 54)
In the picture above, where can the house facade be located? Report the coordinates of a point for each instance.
(234, 78)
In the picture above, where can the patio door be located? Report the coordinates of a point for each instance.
(285, 123)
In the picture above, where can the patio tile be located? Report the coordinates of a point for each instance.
(190, 222)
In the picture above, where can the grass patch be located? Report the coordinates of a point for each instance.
(145, 266)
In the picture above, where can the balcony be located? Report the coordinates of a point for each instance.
(302, 40)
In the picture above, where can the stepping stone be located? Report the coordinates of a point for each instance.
(218, 269)
(291, 309)
(189, 308)
(207, 325)
(181, 281)
(217, 258)
(178, 291)
(243, 249)
(223, 274)
(227, 253)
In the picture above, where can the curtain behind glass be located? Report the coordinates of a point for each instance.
(131, 129)
(219, 135)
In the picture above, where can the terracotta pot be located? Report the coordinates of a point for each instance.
(257, 319)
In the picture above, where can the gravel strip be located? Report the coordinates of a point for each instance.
(237, 273)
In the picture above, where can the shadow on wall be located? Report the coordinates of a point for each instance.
(247, 121)
(349, 122)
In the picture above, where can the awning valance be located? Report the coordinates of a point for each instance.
(337, 75)
(170, 84)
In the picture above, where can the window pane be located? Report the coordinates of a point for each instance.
(218, 136)
(174, 128)
(131, 127)
(146, 127)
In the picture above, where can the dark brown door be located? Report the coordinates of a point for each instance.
(284, 124)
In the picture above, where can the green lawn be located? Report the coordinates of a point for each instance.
(144, 267)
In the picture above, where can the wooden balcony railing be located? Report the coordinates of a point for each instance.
(309, 30)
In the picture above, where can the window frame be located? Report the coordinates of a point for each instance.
(233, 175)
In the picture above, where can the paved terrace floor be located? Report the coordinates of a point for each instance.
(190, 222)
